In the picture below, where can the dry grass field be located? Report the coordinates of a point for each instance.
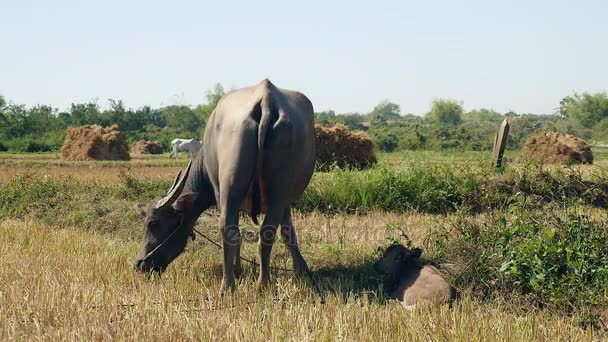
(73, 285)
(74, 281)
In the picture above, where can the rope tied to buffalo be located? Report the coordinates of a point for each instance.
(242, 258)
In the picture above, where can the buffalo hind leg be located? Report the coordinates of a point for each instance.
(268, 234)
(288, 234)
(231, 238)
(238, 270)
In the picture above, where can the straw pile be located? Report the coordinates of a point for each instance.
(93, 142)
(348, 150)
(146, 147)
(556, 148)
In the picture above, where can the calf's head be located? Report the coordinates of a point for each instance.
(398, 260)
(166, 228)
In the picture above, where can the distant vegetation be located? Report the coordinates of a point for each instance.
(447, 126)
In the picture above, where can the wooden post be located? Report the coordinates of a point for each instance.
(500, 142)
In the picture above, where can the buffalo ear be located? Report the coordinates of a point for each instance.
(185, 201)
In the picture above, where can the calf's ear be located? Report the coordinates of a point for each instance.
(185, 201)
(417, 252)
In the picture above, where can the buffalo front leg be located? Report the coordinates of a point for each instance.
(288, 235)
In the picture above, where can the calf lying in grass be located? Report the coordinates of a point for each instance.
(413, 282)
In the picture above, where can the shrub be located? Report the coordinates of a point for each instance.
(426, 188)
(386, 142)
(555, 258)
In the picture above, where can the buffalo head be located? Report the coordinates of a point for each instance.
(166, 228)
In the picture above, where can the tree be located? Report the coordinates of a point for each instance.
(85, 114)
(2, 105)
(352, 120)
(384, 112)
(213, 96)
(386, 142)
(585, 109)
(183, 118)
(325, 118)
(482, 115)
(445, 112)
(117, 115)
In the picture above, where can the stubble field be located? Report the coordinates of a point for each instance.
(69, 233)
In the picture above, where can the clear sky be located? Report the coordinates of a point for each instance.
(522, 55)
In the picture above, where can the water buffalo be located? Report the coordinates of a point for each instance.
(414, 283)
(258, 156)
(184, 145)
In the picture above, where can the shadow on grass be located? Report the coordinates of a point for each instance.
(358, 281)
(347, 282)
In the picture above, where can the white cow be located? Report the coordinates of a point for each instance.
(184, 145)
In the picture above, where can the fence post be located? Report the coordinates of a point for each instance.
(500, 142)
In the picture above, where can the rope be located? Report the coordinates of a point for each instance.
(244, 259)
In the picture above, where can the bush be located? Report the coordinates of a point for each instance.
(29, 144)
(555, 258)
(425, 188)
(386, 143)
(440, 188)
(70, 203)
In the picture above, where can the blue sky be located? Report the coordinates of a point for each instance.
(347, 56)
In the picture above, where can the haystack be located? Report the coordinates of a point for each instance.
(338, 146)
(146, 147)
(557, 148)
(93, 142)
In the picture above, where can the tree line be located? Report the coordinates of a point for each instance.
(43, 128)
(447, 126)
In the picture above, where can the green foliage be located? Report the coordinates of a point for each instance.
(445, 128)
(556, 258)
(441, 188)
(68, 202)
(585, 109)
(213, 96)
(326, 118)
(42, 128)
(600, 130)
(482, 115)
(553, 257)
(426, 188)
(446, 112)
(182, 118)
(385, 142)
(384, 112)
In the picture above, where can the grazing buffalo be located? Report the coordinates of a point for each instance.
(414, 283)
(258, 156)
(184, 145)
